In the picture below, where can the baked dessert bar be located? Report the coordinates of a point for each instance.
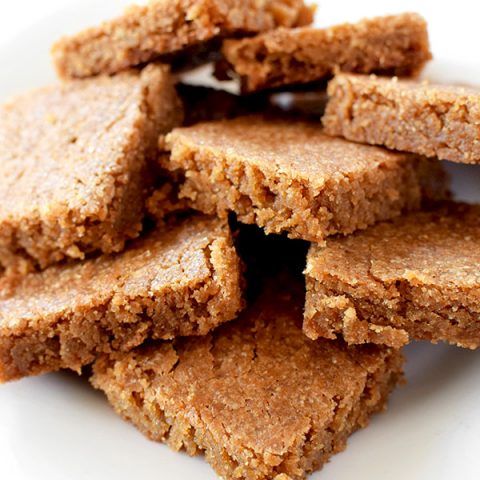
(288, 176)
(396, 44)
(256, 396)
(433, 120)
(183, 280)
(414, 278)
(72, 164)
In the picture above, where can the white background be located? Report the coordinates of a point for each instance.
(57, 428)
(17, 15)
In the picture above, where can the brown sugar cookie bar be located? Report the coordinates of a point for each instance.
(72, 164)
(256, 396)
(395, 44)
(168, 28)
(415, 278)
(287, 176)
(184, 280)
(434, 120)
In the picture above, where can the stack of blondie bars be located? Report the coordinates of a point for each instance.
(154, 234)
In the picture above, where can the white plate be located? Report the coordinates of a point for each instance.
(57, 428)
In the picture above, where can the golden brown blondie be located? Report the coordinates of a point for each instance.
(72, 164)
(184, 280)
(414, 278)
(396, 44)
(287, 176)
(256, 396)
(169, 28)
(434, 120)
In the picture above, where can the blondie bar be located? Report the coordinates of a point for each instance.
(434, 120)
(182, 280)
(414, 278)
(72, 164)
(395, 44)
(256, 396)
(288, 176)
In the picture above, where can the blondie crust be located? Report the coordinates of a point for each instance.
(72, 164)
(414, 278)
(288, 176)
(256, 396)
(184, 280)
(164, 29)
(396, 44)
(434, 120)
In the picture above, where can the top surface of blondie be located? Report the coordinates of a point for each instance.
(258, 385)
(166, 259)
(420, 90)
(438, 248)
(278, 38)
(297, 149)
(64, 149)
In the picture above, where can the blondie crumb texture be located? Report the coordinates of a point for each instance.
(395, 44)
(165, 27)
(164, 202)
(256, 396)
(180, 281)
(415, 278)
(200, 104)
(289, 177)
(73, 162)
(434, 120)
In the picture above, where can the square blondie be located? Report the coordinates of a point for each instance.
(412, 116)
(396, 44)
(413, 278)
(256, 396)
(73, 162)
(184, 279)
(288, 176)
